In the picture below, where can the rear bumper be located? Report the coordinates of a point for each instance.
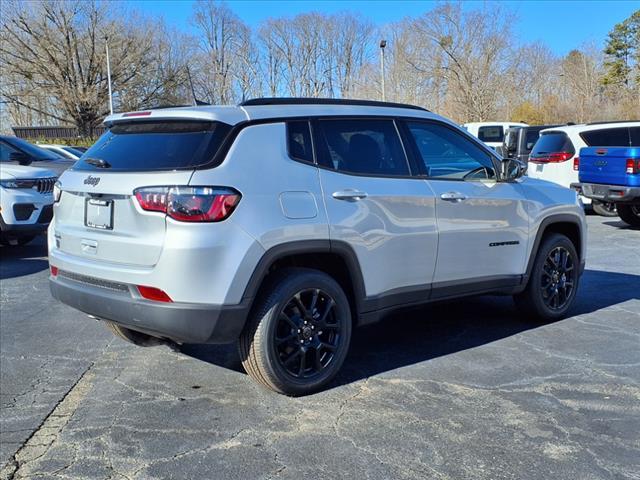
(180, 322)
(608, 193)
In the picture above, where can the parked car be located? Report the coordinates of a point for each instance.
(26, 202)
(70, 153)
(283, 223)
(491, 133)
(16, 151)
(613, 175)
(555, 155)
(519, 141)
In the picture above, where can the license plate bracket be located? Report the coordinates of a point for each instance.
(98, 213)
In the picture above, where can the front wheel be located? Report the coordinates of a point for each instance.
(298, 333)
(604, 209)
(630, 214)
(554, 278)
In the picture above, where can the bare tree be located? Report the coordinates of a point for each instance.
(55, 54)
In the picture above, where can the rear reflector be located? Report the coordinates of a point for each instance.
(54, 270)
(155, 294)
(553, 157)
(189, 204)
(576, 163)
(633, 166)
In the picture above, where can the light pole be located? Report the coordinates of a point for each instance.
(383, 43)
(106, 44)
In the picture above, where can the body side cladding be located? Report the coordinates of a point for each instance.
(557, 219)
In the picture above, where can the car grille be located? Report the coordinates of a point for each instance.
(96, 282)
(45, 185)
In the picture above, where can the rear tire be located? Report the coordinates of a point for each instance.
(630, 214)
(554, 280)
(131, 336)
(604, 209)
(298, 333)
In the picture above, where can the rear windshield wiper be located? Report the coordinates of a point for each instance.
(97, 162)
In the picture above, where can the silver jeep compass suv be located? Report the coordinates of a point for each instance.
(284, 223)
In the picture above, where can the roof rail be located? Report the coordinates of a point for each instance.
(611, 121)
(325, 101)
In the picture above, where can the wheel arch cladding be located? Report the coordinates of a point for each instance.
(336, 259)
(567, 225)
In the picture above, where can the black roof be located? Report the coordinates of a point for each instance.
(325, 101)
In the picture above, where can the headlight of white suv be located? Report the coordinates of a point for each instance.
(56, 192)
(17, 183)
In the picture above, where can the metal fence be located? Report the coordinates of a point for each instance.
(52, 132)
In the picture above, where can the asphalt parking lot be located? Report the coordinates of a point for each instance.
(459, 390)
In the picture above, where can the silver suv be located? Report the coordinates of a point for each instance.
(284, 223)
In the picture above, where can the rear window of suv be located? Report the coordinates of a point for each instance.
(611, 137)
(553, 142)
(145, 146)
(493, 133)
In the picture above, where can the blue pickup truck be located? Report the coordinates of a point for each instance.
(612, 174)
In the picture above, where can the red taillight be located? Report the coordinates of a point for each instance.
(155, 294)
(633, 166)
(576, 163)
(553, 157)
(189, 204)
(54, 270)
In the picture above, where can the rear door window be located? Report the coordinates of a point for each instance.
(607, 137)
(635, 136)
(160, 145)
(363, 146)
(492, 133)
(553, 142)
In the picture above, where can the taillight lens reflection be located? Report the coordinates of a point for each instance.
(553, 157)
(189, 204)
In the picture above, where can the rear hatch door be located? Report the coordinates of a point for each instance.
(98, 216)
(606, 165)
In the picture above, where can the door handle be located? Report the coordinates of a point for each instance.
(352, 195)
(453, 197)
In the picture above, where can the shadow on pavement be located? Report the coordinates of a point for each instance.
(17, 261)
(414, 336)
(619, 224)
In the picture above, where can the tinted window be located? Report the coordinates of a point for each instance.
(36, 153)
(531, 138)
(635, 136)
(299, 139)
(607, 137)
(155, 146)
(553, 142)
(370, 147)
(493, 133)
(447, 154)
(5, 152)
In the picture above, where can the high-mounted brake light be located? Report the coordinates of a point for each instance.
(137, 114)
(576, 163)
(189, 204)
(553, 157)
(633, 166)
(155, 294)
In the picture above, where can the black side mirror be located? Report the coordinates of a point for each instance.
(512, 168)
(20, 158)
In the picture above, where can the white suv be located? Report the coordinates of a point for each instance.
(282, 223)
(26, 202)
(555, 156)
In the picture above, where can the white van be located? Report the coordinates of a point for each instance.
(491, 133)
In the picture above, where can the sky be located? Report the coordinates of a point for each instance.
(562, 25)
